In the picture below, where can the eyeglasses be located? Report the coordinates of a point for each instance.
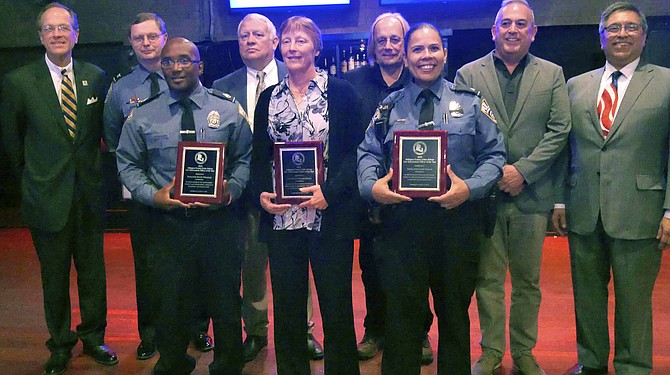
(47, 29)
(395, 40)
(183, 63)
(137, 39)
(615, 28)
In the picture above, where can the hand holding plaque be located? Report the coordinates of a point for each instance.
(199, 174)
(420, 163)
(297, 165)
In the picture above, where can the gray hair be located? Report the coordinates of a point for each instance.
(260, 18)
(509, 2)
(371, 39)
(622, 7)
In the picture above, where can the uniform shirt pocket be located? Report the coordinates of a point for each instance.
(649, 182)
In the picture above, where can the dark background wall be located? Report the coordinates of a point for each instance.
(568, 34)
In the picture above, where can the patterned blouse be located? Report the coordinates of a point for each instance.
(292, 122)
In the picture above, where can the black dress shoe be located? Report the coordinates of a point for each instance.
(253, 346)
(583, 370)
(145, 350)
(57, 363)
(314, 348)
(203, 342)
(102, 354)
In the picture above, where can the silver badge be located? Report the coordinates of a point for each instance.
(214, 120)
(455, 109)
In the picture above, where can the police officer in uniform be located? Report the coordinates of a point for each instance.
(429, 243)
(147, 36)
(189, 241)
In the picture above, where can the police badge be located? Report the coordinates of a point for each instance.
(214, 120)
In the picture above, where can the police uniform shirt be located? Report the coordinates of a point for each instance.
(126, 93)
(147, 152)
(475, 147)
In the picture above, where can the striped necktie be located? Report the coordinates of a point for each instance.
(261, 84)
(607, 105)
(68, 103)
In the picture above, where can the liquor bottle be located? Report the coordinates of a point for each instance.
(343, 62)
(352, 63)
(364, 59)
(357, 63)
(362, 48)
(332, 69)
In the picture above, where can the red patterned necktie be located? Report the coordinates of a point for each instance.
(607, 105)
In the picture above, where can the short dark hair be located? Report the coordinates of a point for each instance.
(419, 26)
(622, 6)
(73, 15)
(143, 17)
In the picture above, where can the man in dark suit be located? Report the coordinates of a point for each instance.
(52, 126)
(257, 37)
(529, 99)
(617, 202)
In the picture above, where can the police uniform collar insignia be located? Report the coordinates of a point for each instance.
(455, 109)
(214, 120)
(487, 111)
(134, 100)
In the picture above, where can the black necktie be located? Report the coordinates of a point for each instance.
(187, 121)
(155, 88)
(426, 113)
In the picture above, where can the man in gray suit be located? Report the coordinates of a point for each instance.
(529, 99)
(257, 38)
(618, 206)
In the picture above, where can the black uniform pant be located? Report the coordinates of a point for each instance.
(80, 240)
(425, 246)
(291, 253)
(375, 300)
(197, 260)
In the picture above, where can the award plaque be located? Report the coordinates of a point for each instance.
(420, 163)
(199, 174)
(297, 165)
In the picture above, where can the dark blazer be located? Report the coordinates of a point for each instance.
(537, 131)
(340, 188)
(51, 166)
(621, 178)
(235, 83)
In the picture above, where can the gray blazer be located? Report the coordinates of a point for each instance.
(622, 177)
(235, 83)
(537, 131)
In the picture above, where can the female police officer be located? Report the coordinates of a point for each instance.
(431, 243)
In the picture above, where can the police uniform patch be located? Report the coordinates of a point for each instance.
(242, 112)
(488, 112)
(130, 116)
(214, 120)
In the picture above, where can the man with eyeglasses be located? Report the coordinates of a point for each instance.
(385, 73)
(189, 242)
(529, 98)
(51, 129)
(616, 199)
(147, 36)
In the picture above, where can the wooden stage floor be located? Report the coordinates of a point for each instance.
(23, 331)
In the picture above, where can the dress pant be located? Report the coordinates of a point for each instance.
(80, 240)
(254, 279)
(291, 253)
(516, 243)
(634, 266)
(191, 245)
(425, 246)
(375, 300)
(140, 237)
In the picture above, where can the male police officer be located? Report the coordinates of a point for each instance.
(189, 241)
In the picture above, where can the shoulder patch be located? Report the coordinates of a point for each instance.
(487, 111)
(242, 112)
(461, 88)
(222, 95)
(130, 116)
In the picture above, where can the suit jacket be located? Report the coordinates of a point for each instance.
(622, 177)
(53, 169)
(340, 189)
(537, 131)
(235, 83)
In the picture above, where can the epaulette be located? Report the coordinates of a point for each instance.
(121, 75)
(466, 89)
(222, 95)
(147, 100)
